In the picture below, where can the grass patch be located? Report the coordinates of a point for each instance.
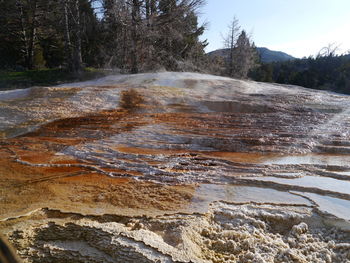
(44, 77)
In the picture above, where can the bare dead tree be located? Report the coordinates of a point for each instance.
(329, 51)
(230, 42)
(149, 34)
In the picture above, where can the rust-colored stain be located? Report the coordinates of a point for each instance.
(63, 183)
(113, 157)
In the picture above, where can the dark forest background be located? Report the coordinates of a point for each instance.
(132, 35)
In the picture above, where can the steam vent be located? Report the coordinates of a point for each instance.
(175, 167)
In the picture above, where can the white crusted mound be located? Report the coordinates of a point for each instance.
(227, 233)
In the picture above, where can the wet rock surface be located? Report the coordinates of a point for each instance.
(175, 167)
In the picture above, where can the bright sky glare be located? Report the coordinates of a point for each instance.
(297, 27)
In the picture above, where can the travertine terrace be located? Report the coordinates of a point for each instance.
(175, 167)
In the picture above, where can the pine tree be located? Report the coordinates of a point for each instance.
(245, 56)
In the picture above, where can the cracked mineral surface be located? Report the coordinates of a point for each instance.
(175, 167)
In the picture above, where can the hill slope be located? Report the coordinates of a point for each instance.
(265, 54)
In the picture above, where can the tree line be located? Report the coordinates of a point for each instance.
(145, 35)
(132, 35)
(326, 71)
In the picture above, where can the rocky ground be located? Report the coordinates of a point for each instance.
(175, 167)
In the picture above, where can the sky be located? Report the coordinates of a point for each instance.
(297, 27)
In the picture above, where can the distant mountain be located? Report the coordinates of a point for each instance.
(266, 55)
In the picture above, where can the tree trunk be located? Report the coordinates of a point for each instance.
(32, 35)
(77, 59)
(72, 43)
(153, 7)
(232, 46)
(123, 56)
(24, 34)
(230, 43)
(28, 28)
(134, 37)
(148, 10)
(67, 41)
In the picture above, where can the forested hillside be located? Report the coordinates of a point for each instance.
(327, 72)
(132, 35)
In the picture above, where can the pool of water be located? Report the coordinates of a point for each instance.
(317, 182)
(207, 193)
(322, 159)
(335, 206)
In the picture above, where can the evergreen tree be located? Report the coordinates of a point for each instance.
(244, 56)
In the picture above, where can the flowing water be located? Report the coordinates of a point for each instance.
(152, 144)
